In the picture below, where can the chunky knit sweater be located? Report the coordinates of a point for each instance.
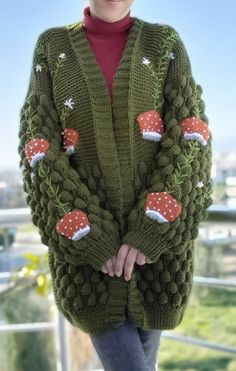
(99, 173)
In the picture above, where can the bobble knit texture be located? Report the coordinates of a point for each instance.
(110, 171)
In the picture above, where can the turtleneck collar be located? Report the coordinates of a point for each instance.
(98, 25)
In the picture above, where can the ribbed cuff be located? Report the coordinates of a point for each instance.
(147, 243)
(101, 250)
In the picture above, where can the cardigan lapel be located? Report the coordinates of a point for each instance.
(118, 141)
(106, 115)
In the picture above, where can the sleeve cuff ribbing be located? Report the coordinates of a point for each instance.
(100, 251)
(147, 243)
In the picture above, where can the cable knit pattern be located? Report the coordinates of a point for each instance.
(99, 173)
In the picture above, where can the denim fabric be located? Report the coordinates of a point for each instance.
(128, 348)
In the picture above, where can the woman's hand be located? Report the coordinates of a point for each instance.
(108, 266)
(125, 259)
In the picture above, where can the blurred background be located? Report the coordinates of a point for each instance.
(33, 335)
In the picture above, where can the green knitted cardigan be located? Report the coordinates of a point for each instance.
(95, 178)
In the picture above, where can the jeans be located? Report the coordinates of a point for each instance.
(128, 348)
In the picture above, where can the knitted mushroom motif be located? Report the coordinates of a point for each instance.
(162, 207)
(70, 138)
(195, 128)
(74, 225)
(151, 125)
(35, 150)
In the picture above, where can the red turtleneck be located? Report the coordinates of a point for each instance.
(107, 40)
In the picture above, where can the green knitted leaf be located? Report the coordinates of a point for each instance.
(142, 285)
(78, 302)
(86, 289)
(103, 298)
(183, 81)
(96, 277)
(107, 215)
(172, 94)
(96, 171)
(107, 226)
(149, 296)
(79, 278)
(168, 169)
(53, 244)
(149, 276)
(162, 298)
(82, 171)
(163, 160)
(66, 196)
(94, 209)
(95, 232)
(156, 287)
(79, 203)
(92, 183)
(137, 182)
(93, 218)
(176, 299)
(71, 291)
(56, 177)
(165, 276)
(65, 281)
(61, 293)
(183, 289)
(72, 269)
(174, 266)
(167, 142)
(133, 216)
(68, 185)
(143, 167)
(101, 287)
(92, 300)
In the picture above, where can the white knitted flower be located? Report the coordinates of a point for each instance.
(200, 184)
(38, 68)
(62, 56)
(146, 61)
(171, 55)
(69, 103)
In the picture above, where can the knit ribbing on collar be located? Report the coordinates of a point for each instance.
(97, 25)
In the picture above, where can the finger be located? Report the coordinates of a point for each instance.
(148, 260)
(141, 259)
(120, 259)
(114, 263)
(103, 268)
(109, 267)
(129, 263)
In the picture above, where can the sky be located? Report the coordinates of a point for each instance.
(207, 28)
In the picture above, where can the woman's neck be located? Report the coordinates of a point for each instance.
(95, 24)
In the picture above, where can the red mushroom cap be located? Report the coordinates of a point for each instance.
(70, 138)
(162, 207)
(151, 125)
(195, 128)
(35, 150)
(74, 225)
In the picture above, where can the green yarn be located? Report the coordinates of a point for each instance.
(111, 172)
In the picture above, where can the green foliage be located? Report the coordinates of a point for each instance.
(210, 316)
(36, 263)
(29, 351)
(182, 357)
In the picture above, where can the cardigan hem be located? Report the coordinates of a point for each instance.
(101, 317)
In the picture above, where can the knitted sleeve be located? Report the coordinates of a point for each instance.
(169, 210)
(70, 219)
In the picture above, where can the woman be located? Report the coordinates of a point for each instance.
(116, 156)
